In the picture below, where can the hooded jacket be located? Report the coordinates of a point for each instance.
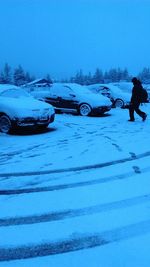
(136, 92)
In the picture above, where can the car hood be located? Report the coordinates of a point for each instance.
(95, 99)
(23, 106)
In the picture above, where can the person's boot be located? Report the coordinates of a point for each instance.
(131, 120)
(144, 117)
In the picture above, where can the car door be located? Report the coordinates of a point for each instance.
(67, 98)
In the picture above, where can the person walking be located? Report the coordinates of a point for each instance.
(136, 101)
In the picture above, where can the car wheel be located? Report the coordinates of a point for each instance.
(5, 124)
(119, 103)
(84, 109)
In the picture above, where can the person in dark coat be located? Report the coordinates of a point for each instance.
(135, 101)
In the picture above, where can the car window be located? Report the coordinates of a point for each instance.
(61, 91)
(14, 93)
(66, 91)
(104, 89)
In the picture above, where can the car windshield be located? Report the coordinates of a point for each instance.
(69, 89)
(14, 93)
(80, 89)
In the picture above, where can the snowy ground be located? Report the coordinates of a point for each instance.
(77, 194)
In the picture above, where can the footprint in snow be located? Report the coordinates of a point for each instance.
(118, 147)
(133, 155)
(136, 169)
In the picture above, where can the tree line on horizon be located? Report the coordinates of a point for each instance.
(18, 76)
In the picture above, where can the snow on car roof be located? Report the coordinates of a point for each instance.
(76, 87)
(71, 85)
(108, 85)
(17, 91)
(125, 86)
(112, 87)
(4, 87)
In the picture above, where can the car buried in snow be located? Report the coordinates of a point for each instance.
(20, 109)
(71, 97)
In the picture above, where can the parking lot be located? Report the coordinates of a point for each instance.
(76, 192)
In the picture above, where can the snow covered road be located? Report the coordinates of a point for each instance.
(78, 194)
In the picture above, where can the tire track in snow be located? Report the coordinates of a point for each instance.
(56, 216)
(19, 152)
(81, 168)
(72, 185)
(75, 242)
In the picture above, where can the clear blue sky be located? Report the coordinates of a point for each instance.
(62, 36)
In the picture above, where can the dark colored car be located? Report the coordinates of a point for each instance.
(74, 98)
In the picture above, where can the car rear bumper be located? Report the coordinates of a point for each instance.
(27, 122)
(101, 110)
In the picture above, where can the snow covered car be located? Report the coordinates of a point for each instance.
(118, 97)
(124, 86)
(18, 108)
(71, 97)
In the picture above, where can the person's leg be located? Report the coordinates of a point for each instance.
(131, 112)
(139, 112)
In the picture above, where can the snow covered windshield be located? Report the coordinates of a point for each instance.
(78, 88)
(14, 93)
